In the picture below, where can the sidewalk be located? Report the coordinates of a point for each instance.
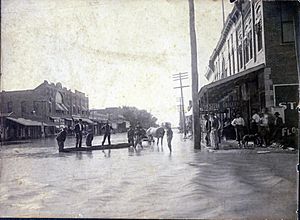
(232, 145)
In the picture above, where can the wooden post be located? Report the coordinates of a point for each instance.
(196, 115)
(297, 49)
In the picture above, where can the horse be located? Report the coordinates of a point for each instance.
(158, 133)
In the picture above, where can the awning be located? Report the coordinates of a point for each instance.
(25, 122)
(59, 107)
(87, 120)
(68, 119)
(229, 78)
(64, 107)
(84, 108)
(55, 118)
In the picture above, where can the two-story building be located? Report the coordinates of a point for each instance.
(254, 64)
(41, 111)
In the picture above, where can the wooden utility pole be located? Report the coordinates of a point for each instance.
(196, 114)
(180, 77)
(297, 49)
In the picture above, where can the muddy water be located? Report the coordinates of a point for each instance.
(37, 181)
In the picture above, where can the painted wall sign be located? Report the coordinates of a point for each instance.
(286, 97)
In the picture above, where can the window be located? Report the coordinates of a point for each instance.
(287, 26)
(258, 35)
(229, 62)
(246, 50)
(233, 62)
(50, 106)
(35, 108)
(241, 56)
(250, 44)
(23, 106)
(9, 107)
(58, 98)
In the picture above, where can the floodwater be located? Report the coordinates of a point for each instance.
(37, 181)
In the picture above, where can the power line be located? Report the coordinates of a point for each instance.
(179, 77)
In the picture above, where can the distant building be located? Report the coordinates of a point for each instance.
(41, 111)
(254, 64)
(112, 114)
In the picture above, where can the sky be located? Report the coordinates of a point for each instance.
(118, 52)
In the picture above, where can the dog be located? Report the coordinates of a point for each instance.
(253, 138)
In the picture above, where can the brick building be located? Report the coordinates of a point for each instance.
(41, 111)
(254, 64)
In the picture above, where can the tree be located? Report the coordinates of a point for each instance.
(134, 115)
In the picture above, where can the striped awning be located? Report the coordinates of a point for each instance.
(61, 107)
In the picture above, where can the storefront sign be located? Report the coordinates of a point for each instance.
(219, 106)
(286, 97)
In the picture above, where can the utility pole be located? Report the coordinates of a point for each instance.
(223, 13)
(180, 77)
(196, 113)
(297, 49)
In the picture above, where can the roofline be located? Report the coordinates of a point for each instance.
(230, 20)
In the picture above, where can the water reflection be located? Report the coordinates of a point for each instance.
(78, 155)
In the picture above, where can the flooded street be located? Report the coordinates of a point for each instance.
(37, 181)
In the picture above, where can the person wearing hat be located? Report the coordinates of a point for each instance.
(78, 133)
(278, 124)
(89, 137)
(139, 134)
(61, 137)
(107, 132)
(130, 135)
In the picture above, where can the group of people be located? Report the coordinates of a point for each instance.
(135, 135)
(78, 129)
(264, 125)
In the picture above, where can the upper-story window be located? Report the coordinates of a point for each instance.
(35, 108)
(258, 26)
(287, 25)
(246, 50)
(23, 106)
(250, 44)
(58, 98)
(9, 107)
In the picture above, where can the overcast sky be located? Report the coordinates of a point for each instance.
(118, 52)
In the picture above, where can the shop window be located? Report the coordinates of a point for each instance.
(9, 107)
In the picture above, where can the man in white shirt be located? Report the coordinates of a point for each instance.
(238, 123)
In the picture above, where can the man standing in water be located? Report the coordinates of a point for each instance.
(107, 131)
(130, 135)
(61, 137)
(169, 136)
(78, 133)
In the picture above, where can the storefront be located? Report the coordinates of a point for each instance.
(240, 93)
(20, 128)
